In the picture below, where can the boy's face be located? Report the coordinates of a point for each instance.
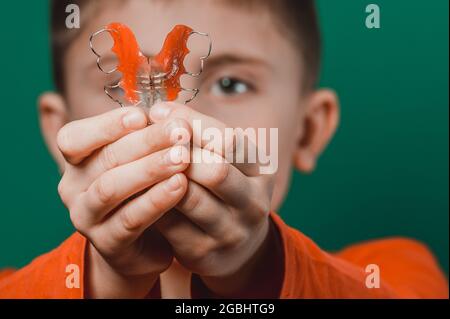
(252, 78)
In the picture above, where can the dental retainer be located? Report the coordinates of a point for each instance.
(148, 80)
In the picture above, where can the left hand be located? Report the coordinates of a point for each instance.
(223, 220)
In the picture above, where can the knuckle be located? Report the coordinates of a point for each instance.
(66, 190)
(154, 204)
(264, 207)
(62, 191)
(77, 222)
(128, 222)
(150, 171)
(148, 137)
(63, 140)
(116, 236)
(109, 131)
(233, 238)
(108, 158)
(104, 190)
(200, 251)
(191, 200)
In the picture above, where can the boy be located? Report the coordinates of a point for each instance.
(152, 223)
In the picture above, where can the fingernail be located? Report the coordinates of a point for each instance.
(134, 120)
(174, 183)
(175, 155)
(159, 111)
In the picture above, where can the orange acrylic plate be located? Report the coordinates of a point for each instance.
(138, 71)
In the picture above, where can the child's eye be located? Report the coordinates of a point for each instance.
(229, 86)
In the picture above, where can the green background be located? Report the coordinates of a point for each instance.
(385, 173)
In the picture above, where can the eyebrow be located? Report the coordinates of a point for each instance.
(213, 62)
(216, 61)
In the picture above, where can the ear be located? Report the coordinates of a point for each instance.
(53, 115)
(319, 122)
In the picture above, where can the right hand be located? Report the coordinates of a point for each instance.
(120, 177)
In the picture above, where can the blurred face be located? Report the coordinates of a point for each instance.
(251, 80)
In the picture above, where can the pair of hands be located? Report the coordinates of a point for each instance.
(133, 193)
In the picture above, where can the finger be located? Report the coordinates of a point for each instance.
(186, 238)
(78, 139)
(236, 145)
(198, 121)
(249, 157)
(248, 194)
(205, 210)
(220, 177)
(130, 220)
(129, 148)
(138, 144)
(118, 184)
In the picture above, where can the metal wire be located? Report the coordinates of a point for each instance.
(91, 45)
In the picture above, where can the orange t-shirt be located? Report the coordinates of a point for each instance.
(407, 270)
